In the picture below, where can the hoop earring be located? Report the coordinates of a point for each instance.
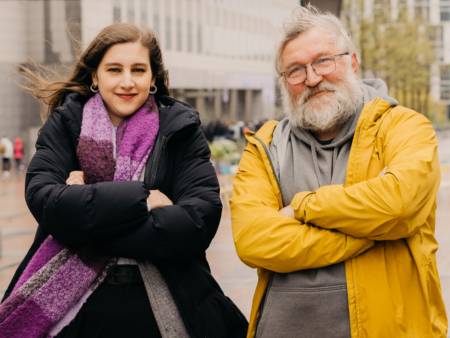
(93, 88)
(153, 89)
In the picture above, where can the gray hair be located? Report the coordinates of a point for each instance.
(305, 18)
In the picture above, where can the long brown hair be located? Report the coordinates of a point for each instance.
(53, 92)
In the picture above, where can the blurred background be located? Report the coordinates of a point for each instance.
(220, 57)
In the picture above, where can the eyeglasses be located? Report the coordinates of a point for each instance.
(322, 66)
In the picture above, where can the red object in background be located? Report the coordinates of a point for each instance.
(18, 148)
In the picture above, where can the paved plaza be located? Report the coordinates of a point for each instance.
(17, 230)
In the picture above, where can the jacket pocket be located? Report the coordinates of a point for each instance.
(305, 312)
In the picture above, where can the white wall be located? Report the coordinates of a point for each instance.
(13, 18)
(434, 12)
(35, 30)
(59, 30)
(95, 15)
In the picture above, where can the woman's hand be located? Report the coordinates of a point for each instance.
(157, 199)
(75, 177)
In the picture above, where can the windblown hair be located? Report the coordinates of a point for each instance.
(52, 93)
(306, 18)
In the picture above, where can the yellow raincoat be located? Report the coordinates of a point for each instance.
(380, 223)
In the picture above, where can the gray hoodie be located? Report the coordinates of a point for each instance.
(311, 303)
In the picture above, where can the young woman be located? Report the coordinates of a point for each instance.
(127, 203)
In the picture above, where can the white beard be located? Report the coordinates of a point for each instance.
(326, 111)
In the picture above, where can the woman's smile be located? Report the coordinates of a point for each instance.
(126, 97)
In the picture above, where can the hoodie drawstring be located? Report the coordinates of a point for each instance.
(316, 164)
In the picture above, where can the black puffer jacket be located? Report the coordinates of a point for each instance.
(112, 217)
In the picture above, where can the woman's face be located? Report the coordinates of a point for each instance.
(124, 77)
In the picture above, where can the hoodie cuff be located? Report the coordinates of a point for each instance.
(298, 204)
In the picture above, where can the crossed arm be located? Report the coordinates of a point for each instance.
(113, 217)
(337, 222)
(156, 199)
(391, 206)
(265, 238)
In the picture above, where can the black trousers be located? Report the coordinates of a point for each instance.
(6, 164)
(119, 307)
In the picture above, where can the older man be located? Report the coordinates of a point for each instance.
(335, 204)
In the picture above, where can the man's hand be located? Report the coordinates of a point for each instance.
(157, 199)
(75, 177)
(288, 211)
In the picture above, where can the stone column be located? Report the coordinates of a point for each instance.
(248, 105)
(233, 104)
(217, 103)
(200, 105)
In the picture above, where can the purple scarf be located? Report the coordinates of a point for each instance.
(57, 281)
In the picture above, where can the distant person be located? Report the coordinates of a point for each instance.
(259, 124)
(7, 156)
(127, 202)
(18, 153)
(336, 204)
(2, 150)
(236, 129)
(217, 129)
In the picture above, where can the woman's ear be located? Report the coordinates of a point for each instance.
(94, 79)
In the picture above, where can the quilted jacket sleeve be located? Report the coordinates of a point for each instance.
(266, 239)
(391, 206)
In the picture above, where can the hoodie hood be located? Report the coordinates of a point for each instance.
(373, 88)
(321, 164)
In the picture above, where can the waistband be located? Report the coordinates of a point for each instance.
(123, 274)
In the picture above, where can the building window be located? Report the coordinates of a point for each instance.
(144, 13)
(197, 30)
(168, 32)
(130, 11)
(189, 36)
(117, 17)
(156, 27)
(179, 34)
(445, 92)
(445, 16)
(189, 26)
(168, 24)
(199, 39)
(445, 73)
(445, 10)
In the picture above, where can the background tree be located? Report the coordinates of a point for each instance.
(395, 47)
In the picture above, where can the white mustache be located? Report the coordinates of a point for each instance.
(311, 91)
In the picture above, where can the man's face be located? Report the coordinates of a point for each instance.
(321, 101)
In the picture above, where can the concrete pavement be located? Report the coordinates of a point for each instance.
(17, 227)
